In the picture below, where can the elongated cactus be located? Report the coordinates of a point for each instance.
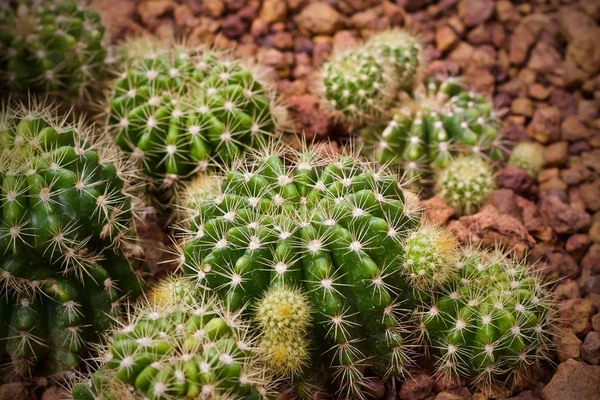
(177, 110)
(492, 323)
(65, 229)
(181, 348)
(327, 223)
(55, 46)
(442, 120)
(529, 156)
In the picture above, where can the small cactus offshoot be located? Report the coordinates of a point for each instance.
(529, 156)
(56, 46)
(465, 184)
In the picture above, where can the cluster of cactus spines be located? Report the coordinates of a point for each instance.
(177, 110)
(360, 84)
(466, 184)
(65, 225)
(529, 156)
(55, 46)
(184, 348)
(491, 323)
(442, 120)
(431, 255)
(328, 223)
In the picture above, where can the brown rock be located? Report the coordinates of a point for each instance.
(283, 40)
(275, 59)
(576, 173)
(505, 201)
(568, 345)
(590, 349)
(505, 11)
(273, 10)
(436, 210)
(522, 106)
(591, 159)
(575, 314)
(556, 154)
(515, 179)
(233, 27)
(538, 92)
(564, 101)
(55, 393)
(321, 51)
(457, 394)
(343, 40)
(480, 78)
(309, 116)
(394, 12)
(445, 38)
(562, 217)
(14, 391)
(366, 19)
(444, 382)
(596, 322)
(545, 125)
(489, 228)
(577, 245)
(573, 129)
(151, 10)
(520, 42)
(319, 18)
(479, 35)
(544, 57)
(595, 232)
(417, 388)
(475, 12)
(549, 179)
(564, 263)
(574, 23)
(568, 289)
(590, 195)
(574, 381)
(592, 258)
(462, 54)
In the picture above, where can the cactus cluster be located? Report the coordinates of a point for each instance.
(327, 223)
(176, 110)
(65, 224)
(185, 347)
(55, 46)
(361, 83)
(491, 323)
(529, 156)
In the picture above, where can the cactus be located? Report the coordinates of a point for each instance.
(327, 223)
(181, 348)
(56, 46)
(465, 184)
(529, 156)
(492, 323)
(360, 84)
(178, 109)
(442, 120)
(65, 236)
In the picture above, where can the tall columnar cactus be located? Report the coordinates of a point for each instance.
(179, 348)
(65, 229)
(361, 83)
(529, 156)
(176, 110)
(492, 323)
(51, 45)
(327, 223)
(442, 120)
(466, 184)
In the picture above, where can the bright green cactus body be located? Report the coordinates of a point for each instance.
(177, 111)
(492, 323)
(443, 120)
(466, 184)
(65, 222)
(529, 156)
(55, 46)
(325, 223)
(178, 350)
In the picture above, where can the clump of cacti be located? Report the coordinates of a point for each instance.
(492, 323)
(443, 119)
(181, 348)
(177, 110)
(327, 223)
(65, 229)
(465, 184)
(361, 83)
(56, 46)
(529, 156)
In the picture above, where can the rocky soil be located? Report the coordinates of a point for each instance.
(538, 60)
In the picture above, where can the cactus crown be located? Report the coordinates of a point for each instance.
(529, 156)
(52, 45)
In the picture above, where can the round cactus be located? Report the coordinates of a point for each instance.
(529, 156)
(492, 323)
(327, 223)
(442, 120)
(56, 46)
(180, 349)
(65, 227)
(466, 184)
(176, 110)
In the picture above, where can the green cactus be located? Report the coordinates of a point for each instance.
(529, 156)
(466, 184)
(360, 84)
(177, 110)
(327, 223)
(442, 120)
(65, 236)
(492, 323)
(56, 46)
(184, 348)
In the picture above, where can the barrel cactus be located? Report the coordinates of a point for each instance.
(529, 156)
(328, 224)
(178, 348)
(66, 235)
(55, 46)
(176, 109)
(492, 323)
(442, 120)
